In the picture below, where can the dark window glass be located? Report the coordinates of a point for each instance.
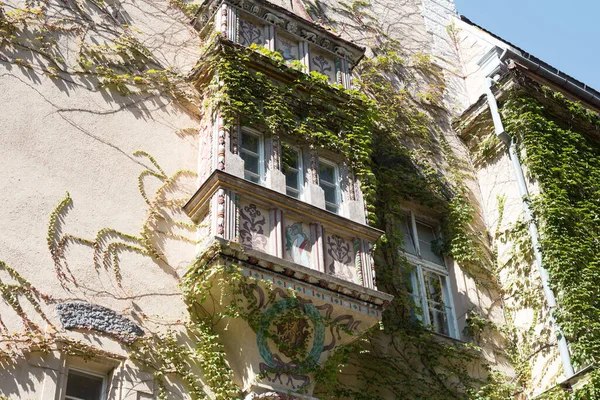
(82, 386)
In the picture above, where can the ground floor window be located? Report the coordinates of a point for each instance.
(84, 386)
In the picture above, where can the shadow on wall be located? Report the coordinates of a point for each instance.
(90, 48)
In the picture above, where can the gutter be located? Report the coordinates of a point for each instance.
(533, 231)
(569, 84)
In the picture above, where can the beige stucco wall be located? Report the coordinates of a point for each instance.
(67, 135)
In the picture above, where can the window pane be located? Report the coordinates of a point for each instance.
(289, 158)
(251, 162)
(250, 142)
(291, 179)
(327, 173)
(83, 386)
(290, 166)
(405, 228)
(439, 321)
(426, 236)
(252, 178)
(330, 195)
(435, 288)
(292, 193)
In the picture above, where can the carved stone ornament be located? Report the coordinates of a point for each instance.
(292, 27)
(274, 19)
(325, 43)
(310, 36)
(254, 9)
(342, 52)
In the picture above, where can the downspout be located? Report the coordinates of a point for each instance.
(533, 231)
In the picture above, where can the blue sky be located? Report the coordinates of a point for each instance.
(564, 34)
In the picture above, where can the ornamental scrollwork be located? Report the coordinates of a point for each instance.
(252, 231)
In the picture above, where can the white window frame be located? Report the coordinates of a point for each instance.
(417, 277)
(261, 153)
(338, 196)
(300, 170)
(85, 372)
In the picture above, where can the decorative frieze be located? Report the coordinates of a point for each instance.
(280, 18)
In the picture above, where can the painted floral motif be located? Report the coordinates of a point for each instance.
(252, 233)
(297, 243)
(288, 49)
(291, 334)
(250, 34)
(320, 64)
(341, 255)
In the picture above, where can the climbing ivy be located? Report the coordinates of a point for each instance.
(562, 153)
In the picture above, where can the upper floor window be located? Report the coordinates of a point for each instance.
(329, 180)
(252, 152)
(291, 166)
(84, 386)
(429, 281)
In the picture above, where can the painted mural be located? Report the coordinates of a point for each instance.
(298, 244)
(293, 333)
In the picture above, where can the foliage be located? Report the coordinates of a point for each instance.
(565, 161)
(306, 107)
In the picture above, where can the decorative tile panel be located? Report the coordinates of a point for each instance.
(287, 46)
(339, 257)
(251, 33)
(322, 63)
(254, 226)
(298, 243)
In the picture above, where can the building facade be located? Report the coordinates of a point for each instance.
(290, 200)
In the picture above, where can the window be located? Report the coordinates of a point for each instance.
(429, 285)
(84, 386)
(329, 182)
(252, 151)
(291, 166)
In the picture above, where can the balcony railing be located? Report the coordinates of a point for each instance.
(271, 223)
